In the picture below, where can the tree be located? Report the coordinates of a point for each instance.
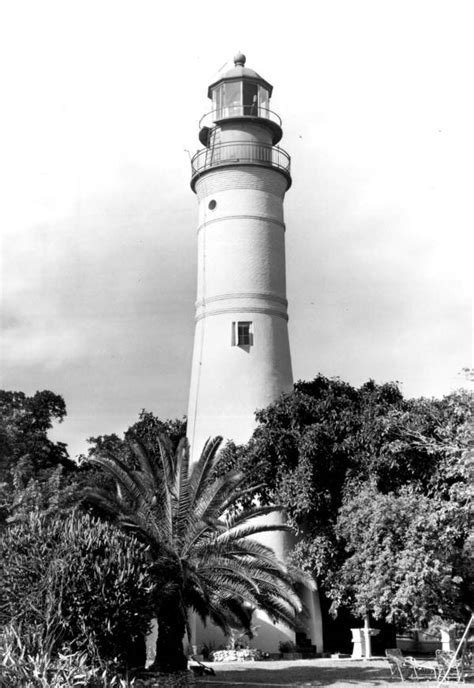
(321, 448)
(406, 558)
(33, 469)
(148, 429)
(200, 541)
(308, 445)
(24, 423)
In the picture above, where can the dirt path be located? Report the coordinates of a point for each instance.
(342, 673)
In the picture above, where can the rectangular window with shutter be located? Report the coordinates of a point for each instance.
(242, 334)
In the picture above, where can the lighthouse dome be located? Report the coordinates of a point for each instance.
(240, 72)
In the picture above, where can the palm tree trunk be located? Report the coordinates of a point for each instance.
(169, 645)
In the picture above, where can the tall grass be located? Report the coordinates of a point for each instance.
(27, 663)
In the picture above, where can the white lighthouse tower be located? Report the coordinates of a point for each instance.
(241, 359)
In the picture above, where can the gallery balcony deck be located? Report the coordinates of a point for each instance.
(240, 153)
(247, 113)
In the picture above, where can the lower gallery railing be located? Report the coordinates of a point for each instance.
(240, 152)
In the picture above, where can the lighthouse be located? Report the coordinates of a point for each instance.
(241, 358)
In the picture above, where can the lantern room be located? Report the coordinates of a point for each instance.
(241, 93)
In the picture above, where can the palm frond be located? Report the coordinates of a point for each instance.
(105, 501)
(202, 470)
(230, 569)
(278, 610)
(225, 585)
(147, 465)
(205, 511)
(137, 497)
(262, 581)
(237, 517)
(133, 487)
(183, 455)
(183, 490)
(239, 549)
(232, 498)
(213, 499)
(229, 612)
(120, 472)
(154, 487)
(120, 512)
(169, 460)
(248, 530)
(217, 614)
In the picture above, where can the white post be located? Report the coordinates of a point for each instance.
(368, 646)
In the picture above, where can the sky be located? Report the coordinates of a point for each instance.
(101, 104)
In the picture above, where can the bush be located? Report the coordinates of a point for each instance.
(20, 669)
(39, 670)
(77, 582)
(286, 646)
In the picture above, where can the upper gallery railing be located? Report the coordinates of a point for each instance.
(238, 153)
(239, 111)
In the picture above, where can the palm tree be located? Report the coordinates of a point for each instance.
(200, 542)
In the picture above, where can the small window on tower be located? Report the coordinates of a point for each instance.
(242, 334)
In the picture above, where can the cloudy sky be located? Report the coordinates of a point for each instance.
(101, 102)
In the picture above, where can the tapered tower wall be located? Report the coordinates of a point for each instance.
(241, 278)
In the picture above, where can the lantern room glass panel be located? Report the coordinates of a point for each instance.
(250, 98)
(237, 98)
(263, 102)
(232, 100)
(217, 98)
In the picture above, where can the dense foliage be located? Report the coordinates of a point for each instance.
(23, 668)
(70, 581)
(148, 429)
(375, 486)
(407, 559)
(75, 582)
(24, 422)
(35, 472)
(377, 489)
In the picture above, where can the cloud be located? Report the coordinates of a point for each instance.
(98, 221)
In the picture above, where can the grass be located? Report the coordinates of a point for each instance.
(345, 673)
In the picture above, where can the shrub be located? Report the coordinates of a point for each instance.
(78, 582)
(20, 669)
(287, 646)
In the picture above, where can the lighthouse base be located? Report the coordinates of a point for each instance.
(267, 635)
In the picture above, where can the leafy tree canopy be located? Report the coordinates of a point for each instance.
(24, 424)
(36, 473)
(148, 430)
(33, 468)
(407, 557)
(323, 448)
